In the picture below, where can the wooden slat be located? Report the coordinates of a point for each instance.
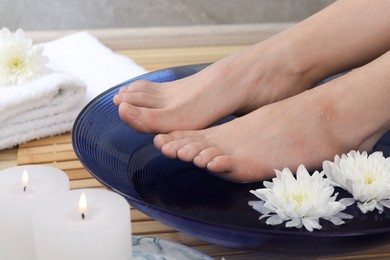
(173, 37)
(155, 59)
(59, 139)
(66, 165)
(78, 174)
(46, 157)
(8, 155)
(8, 158)
(45, 149)
(137, 216)
(218, 251)
(150, 227)
(87, 183)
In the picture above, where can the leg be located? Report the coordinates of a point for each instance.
(351, 112)
(335, 39)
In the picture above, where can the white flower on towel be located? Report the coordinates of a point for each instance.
(367, 178)
(20, 60)
(300, 201)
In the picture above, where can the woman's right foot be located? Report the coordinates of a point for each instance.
(224, 88)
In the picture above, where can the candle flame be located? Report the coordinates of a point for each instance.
(24, 179)
(83, 203)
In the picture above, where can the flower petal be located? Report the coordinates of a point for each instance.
(347, 201)
(343, 215)
(385, 203)
(311, 224)
(259, 206)
(336, 221)
(295, 222)
(274, 220)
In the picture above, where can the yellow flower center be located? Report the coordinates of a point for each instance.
(15, 63)
(369, 178)
(297, 198)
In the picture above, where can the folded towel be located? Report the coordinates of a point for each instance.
(83, 68)
(49, 102)
(87, 58)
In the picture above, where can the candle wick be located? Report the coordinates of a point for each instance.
(82, 216)
(24, 188)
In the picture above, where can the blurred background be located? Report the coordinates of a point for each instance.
(101, 14)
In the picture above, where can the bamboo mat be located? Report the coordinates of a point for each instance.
(57, 151)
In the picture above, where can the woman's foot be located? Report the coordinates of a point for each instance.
(282, 66)
(224, 88)
(351, 112)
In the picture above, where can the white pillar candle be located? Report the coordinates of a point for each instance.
(18, 200)
(99, 229)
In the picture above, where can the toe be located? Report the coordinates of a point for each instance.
(220, 164)
(144, 86)
(205, 156)
(223, 166)
(141, 119)
(127, 112)
(123, 90)
(117, 99)
(130, 115)
(171, 149)
(140, 99)
(189, 151)
(160, 140)
(231, 169)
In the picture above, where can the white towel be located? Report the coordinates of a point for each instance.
(86, 57)
(83, 68)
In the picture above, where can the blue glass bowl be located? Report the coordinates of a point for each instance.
(191, 200)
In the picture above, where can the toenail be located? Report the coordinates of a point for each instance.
(118, 97)
(183, 151)
(198, 158)
(166, 147)
(211, 164)
(161, 138)
(123, 89)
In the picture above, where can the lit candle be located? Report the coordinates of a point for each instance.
(22, 189)
(83, 224)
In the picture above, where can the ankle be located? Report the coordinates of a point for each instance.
(288, 73)
(349, 117)
(296, 61)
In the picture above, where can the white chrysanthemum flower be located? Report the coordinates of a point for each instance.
(20, 60)
(367, 178)
(300, 201)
